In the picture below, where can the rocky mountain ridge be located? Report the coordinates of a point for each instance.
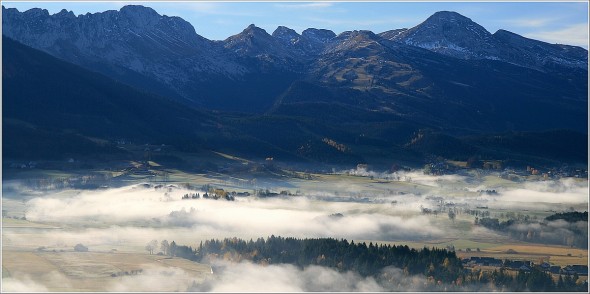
(447, 71)
(453, 34)
(289, 95)
(139, 46)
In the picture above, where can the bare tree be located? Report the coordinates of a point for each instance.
(452, 215)
(151, 246)
(165, 247)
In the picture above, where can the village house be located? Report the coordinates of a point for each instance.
(482, 261)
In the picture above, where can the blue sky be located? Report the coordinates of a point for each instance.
(553, 22)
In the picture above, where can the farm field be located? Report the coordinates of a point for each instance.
(554, 254)
(99, 271)
(558, 255)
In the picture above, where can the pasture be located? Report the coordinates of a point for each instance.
(99, 271)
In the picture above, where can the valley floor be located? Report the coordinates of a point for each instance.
(42, 226)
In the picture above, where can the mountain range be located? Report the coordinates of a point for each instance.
(137, 74)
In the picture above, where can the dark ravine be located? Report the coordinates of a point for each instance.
(136, 73)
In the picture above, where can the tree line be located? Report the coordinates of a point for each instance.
(570, 217)
(534, 280)
(441, 268)
(365, 259)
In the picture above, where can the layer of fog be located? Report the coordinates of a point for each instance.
(235, 277)
(409, 176)
(23, 282)
(153, 279)
(249, 277)
(544, 195)
(552, 195)
(555, 227)
(98, 239)
(395, 217)
(133, 206)
(133, 215)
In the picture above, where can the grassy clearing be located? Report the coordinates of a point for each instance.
(89, 271)
(19, 223)
(38, 173)
(22, 264)
(187, 265)
(495, 181)
(440, 243)
(558, 255)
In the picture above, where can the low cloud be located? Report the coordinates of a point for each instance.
(154, 279)
(563, 191)
(105, 238)
(22, 282)
(249, 277)
(413, 177)
(113, 216)
(127, 218)
(294, 216)
(524, 195)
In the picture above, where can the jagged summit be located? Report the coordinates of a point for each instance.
(65, 13)
(140, 15)
(286, 34)
(319, 35)
(35, 12)
(131, 11)
(450, 33)
(310, 43)
(133, 40)
(293, 92)
(452, 24)
(250, 35)
(357, 34)
(254, 42)
(448, 16)
(139, 9)
(449, 20)
(287, 37)
(253, 29)
(539, 54)
(283, 30)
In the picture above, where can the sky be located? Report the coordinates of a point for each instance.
(560, 22)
